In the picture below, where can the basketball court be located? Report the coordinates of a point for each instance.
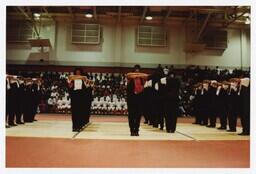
(106, 142)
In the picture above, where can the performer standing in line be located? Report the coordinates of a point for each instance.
(245, 100)
(171, 102)
(135, 101)
(79, 99)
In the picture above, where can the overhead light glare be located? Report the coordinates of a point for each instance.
(88, 15)
(148, 18)
(36, 15)
(246, 15)
(247, 21)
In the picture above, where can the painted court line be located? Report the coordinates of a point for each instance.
(187, 135)
(75, 135)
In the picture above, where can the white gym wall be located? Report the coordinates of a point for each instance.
(119, 49)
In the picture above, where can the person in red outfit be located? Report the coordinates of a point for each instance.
(135, 87)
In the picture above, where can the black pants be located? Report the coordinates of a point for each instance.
(135, 111)
(212, 117)
(223, 119)
(245, 120)
(203, 116)
(245, 117)
(196, 109)
(146, 105)
(245, 114)
(171, 115)
(7, 106)
(196, 113)
(161, 114)
(232, 120)
(79, 109)
(12, 105)
(28, 106)
(19, 102)
(156, 111)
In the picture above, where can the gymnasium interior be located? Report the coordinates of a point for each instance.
(49, 42)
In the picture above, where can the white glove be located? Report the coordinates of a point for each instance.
(150, 83)
(146, 84)
(245, 82)
(218, 90)
(8, 84)
(156, 87)
(163, 81)
(202, 91)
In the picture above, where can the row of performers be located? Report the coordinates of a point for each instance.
(22, 99)
(154, 97)
(227, 100)
(142, 99)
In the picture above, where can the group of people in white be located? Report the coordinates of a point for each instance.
(105, 100)
(59, 103)
(108, 105)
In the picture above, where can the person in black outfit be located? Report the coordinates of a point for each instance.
(149, 103)
(171, 103)
(27, 116)
(89, 99)
(162, 92)
(79, 101)
(7, 103)
(12, 98)
(204, 104)
(35, 99)
(196, 103)
(146, 104)
(222, 101)
(31, 94)
(157, 114)
(234, 107)
(245, 99)
(213, 105)
(135, 100)
(20, 103)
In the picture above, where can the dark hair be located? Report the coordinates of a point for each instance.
(78, 69)
(137, 66)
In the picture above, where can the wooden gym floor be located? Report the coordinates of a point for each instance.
(106, 142)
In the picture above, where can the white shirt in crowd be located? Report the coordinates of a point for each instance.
(50, 101)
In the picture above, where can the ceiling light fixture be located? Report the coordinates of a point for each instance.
(246, 15)
(88, 15)
(36, 15)
(247, 21)
(148, 18)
